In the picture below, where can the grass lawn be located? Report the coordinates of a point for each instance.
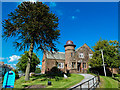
(108, 82)
(61, 83)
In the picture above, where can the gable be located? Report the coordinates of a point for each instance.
(84, 46)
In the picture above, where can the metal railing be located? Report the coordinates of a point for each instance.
(95, 82)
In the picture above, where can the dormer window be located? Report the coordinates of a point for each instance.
(81, 55)
(90, 56)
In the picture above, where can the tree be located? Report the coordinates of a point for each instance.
(38, 70)
(16, 73)
(111, 55)
(34, 27)
(22, 62)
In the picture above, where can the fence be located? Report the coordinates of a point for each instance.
(90, 84)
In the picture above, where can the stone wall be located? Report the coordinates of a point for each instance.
(86, 51)
(50, 63)
(114, 70)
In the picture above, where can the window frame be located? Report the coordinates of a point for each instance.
(61, 65)
(81, 55)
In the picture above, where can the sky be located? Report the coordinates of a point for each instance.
(81, 22)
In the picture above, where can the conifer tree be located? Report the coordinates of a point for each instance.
(34, 27)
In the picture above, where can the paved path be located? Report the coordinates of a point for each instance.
(86, 77)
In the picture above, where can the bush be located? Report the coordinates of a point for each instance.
(68, 73)
(116, 75)
(38, 70)
(88, 70)
(16, 76)
(16, 73)
(100, 70)
(54, 72)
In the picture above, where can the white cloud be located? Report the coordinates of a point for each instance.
(13, 58)
(1, 58)
(39, 66)
(52, 4)
(14, 64)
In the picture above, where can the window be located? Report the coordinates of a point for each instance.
(90, 56)
(71, 54)
(81, 55)
(73, 64)
(84, 65)
(60, 65)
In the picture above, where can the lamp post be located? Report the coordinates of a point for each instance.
(103, 62)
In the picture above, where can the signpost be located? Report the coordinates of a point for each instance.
(9, 80)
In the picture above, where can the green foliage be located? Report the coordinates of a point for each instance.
(88, 70)
(117, 75)
(33, 26)
(16, 73)
(32, 23)
(110, 52)
(55, 71)
(38, 70)
(100, 70)
(22, 62)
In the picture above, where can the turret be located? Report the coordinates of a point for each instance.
(69, 53)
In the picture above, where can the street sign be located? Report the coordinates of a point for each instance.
(9, 80)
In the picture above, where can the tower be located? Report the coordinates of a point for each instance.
(69, 54)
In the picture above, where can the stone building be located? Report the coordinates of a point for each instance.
(4, 68)
(76, 61)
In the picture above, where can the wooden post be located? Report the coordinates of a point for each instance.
(98, 78)
(80, 87)
(88, 85)
(93, 82)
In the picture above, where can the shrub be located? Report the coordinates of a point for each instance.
(100, 70)
(38, 70)
(54, 72)
(16, 73)
(117, 75)
(88, 70)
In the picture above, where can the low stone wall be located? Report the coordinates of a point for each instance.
(114, 70)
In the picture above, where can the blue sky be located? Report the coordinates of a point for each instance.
(81, 22)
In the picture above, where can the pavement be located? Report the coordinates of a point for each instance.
(86, 77)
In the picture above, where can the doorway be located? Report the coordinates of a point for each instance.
(79, 67)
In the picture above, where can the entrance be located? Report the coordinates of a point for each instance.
(79, 67)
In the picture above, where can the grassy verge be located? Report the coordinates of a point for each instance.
(41, 80)
(108, 82)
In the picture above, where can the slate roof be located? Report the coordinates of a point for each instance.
(56, 55)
